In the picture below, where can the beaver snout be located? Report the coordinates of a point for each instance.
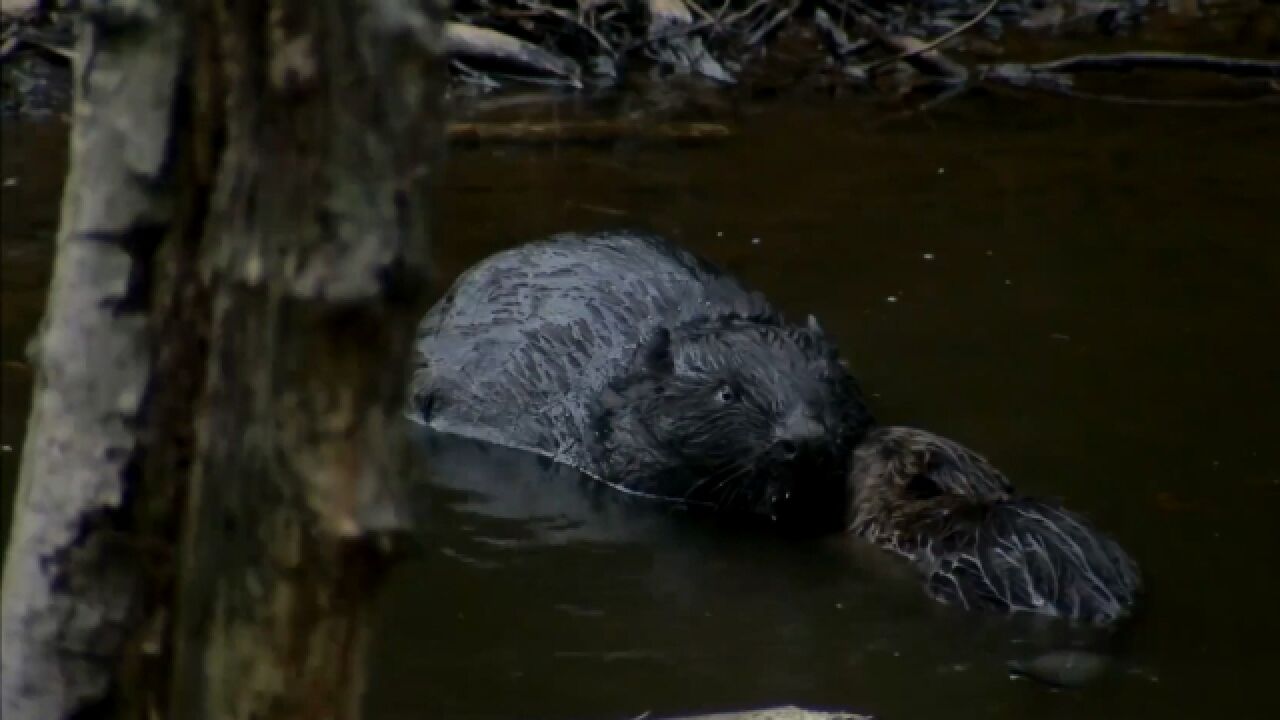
(798, 430)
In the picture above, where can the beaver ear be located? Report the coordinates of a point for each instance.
(655, 354)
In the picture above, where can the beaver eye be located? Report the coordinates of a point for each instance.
(727, 394)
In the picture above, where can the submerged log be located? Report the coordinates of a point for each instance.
(583, 132)
(782, 712)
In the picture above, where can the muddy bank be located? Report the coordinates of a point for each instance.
(1215, 50)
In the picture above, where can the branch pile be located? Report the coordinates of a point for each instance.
(894, 46)
(594, 43)
(597, 42)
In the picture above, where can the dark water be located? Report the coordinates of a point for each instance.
(1086, 293)
(32, 165)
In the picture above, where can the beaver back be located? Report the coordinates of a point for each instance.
(521, 346)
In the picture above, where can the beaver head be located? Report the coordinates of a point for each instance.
(739, 414)
(977, 544)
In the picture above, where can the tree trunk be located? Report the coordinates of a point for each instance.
(243, 229)
(83, 554)
(319, 226)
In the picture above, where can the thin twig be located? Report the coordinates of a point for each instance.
(932, 44)
(732, 19)
(770, 25)
(578, 22)
(683, 32)
(832, 35)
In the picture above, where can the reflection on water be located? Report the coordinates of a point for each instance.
(1084, 293)
(569, 600)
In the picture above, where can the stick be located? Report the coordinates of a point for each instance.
(772, 25)
(1123, 62)
(479, 43)
(916, 51)
(834, 37)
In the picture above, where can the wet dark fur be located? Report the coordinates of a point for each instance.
(976, 542)
(648, 368)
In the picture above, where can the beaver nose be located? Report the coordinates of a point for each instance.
(795, 431)
(798, 427)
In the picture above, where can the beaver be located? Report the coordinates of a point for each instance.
(648, 368)
(977, 543)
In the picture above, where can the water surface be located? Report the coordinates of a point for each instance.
(1086, 293)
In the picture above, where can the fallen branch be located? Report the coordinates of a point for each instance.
(835, 39)
(913, 50)
(1058, 76)
(463, 42)
(468, 42)
(673, 42)
(920, 55)
(1125, 62)
(55, 50)
(579, 23)
(771, 26)
(924, 60)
